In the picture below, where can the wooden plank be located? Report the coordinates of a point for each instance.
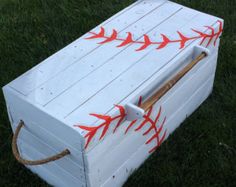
(108, 72)
(78, 49)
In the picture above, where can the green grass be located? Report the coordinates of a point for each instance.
(202, 152)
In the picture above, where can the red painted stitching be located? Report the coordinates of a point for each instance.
(161, 44)
(105, 125)
(147, 120)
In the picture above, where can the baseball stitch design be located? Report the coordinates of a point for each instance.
(105, 125)
(147, 120)
(160, 44)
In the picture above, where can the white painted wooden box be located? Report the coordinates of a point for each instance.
(85, 97)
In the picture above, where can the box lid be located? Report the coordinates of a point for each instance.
(114, 62)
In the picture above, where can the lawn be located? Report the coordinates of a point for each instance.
(202, 152)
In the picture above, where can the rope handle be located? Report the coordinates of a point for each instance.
(18, 157)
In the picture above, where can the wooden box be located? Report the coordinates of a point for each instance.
(109, 99)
